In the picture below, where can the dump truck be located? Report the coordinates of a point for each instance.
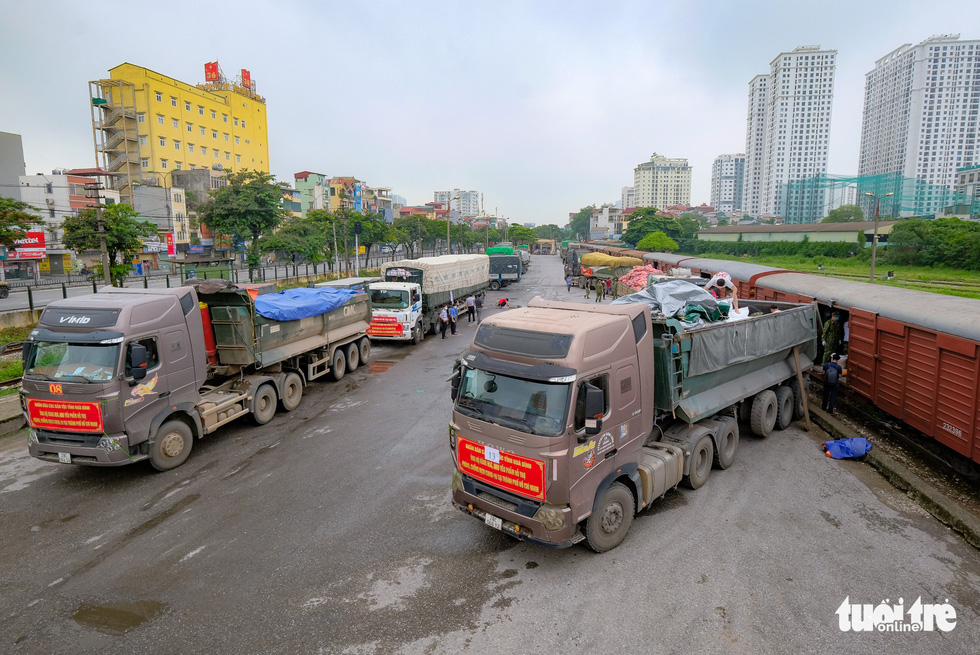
(569, 418)
(405, 305)
(504, 270)
(125, 375)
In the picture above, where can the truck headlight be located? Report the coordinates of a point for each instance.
(452, 437)
(110, 443)
(552, 517)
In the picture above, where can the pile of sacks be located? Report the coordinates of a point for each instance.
(602, 259)
(637, 277)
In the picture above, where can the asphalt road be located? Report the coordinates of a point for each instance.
(330, 530)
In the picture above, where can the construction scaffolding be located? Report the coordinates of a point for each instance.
(811, 199)
(116, 133)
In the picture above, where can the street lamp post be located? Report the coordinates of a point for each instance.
(874, 238)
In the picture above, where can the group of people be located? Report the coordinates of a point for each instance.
(601, 287)
(450, 312)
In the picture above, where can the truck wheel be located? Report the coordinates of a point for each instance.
(353, 357)
(763, 413)
(701, 459)
(494, 286)
(727, 444)
(264, 405)
(339, 365)
(292, 392)
(171, 446)
(607, 526)
(418, 334)
(784, 407)
(364, 345)
(4, 292)
(798, 397)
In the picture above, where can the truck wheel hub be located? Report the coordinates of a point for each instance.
(172, 445)
(612, 518)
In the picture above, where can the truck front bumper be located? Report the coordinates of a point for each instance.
(87, 450)
(516, 515)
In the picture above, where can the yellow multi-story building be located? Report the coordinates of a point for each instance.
(148, 125)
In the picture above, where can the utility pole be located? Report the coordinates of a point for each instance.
(106, 273)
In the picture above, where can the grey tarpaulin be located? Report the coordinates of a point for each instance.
(213, 285)
(672, 297)
(714, 349)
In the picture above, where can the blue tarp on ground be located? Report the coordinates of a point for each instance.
(294, 304)
(843, 448)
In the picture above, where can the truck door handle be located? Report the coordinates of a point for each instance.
(164, 394)
(611, 453)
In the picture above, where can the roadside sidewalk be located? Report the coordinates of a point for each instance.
(933, 500)
(11, 416)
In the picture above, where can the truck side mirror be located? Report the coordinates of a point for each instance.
(137, 361)
(455, 380)
(595, 407)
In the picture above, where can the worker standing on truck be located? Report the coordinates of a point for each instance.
(723, 289)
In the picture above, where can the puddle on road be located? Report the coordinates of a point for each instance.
(117, 618)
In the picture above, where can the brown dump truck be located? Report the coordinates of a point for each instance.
(125, 375)
(569, 418)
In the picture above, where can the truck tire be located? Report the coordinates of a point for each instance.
(727, 443)
(701, 459)
(607, 526)
(353, 357)
(763, 413)
(364, 345)
(171, 445)
(292, 392)
(264, 404)
(4, 292)
(798, 396)
(339, 365)
(784, 407)
(418, 334)
(494, 286)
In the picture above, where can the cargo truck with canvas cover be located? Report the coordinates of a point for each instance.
(569, 418)
(405, 305)
(125, 375)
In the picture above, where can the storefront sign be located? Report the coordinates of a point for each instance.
(519, 475)
(30, 247)
(68, 416)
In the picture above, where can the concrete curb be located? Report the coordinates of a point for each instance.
(941, 506)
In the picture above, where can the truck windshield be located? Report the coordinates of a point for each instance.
(525, 405)
(57, 360)
(389, 299)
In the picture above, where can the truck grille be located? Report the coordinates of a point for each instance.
(499, 502)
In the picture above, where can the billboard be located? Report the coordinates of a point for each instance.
(246, 79)
(357, 198)
(30, 247)
(211, 72)
(171, 247)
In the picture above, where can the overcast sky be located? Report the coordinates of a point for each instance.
(544, 107)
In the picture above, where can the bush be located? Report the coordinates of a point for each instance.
(808, 249)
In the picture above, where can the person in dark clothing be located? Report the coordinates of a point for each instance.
(832, 373)
(444, 320)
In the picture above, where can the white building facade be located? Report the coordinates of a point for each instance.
(920, 120)
(788, 130)
(467, 203)
(662, 182)
(627, 198)
(728, 183)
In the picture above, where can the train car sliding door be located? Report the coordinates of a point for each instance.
(861, 349)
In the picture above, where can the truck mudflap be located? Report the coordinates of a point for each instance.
(511, 514)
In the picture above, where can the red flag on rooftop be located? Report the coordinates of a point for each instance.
(211, 71)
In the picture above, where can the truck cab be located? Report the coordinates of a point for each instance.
(396, 311)
(102, 372)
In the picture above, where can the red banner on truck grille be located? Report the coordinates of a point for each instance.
(519, 475)
(65, 415)
(385, 326)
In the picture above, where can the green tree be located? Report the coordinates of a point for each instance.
(521, 234)
(845, 214)
(248, 210)
(647, 220)
(299, 239)
(16, 218)
(581, 222)
(657, 242)
(722, 222)
(123, 233)
(551, 231)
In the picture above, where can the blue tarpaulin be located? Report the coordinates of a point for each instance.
(294, 304)
(843, 448)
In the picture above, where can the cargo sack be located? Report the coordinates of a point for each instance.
(846, 448)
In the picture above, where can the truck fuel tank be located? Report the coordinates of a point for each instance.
(660, 469)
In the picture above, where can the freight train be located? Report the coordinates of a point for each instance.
(914, 354)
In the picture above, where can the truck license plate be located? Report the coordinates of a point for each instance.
(494, 522)
(64, 458)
